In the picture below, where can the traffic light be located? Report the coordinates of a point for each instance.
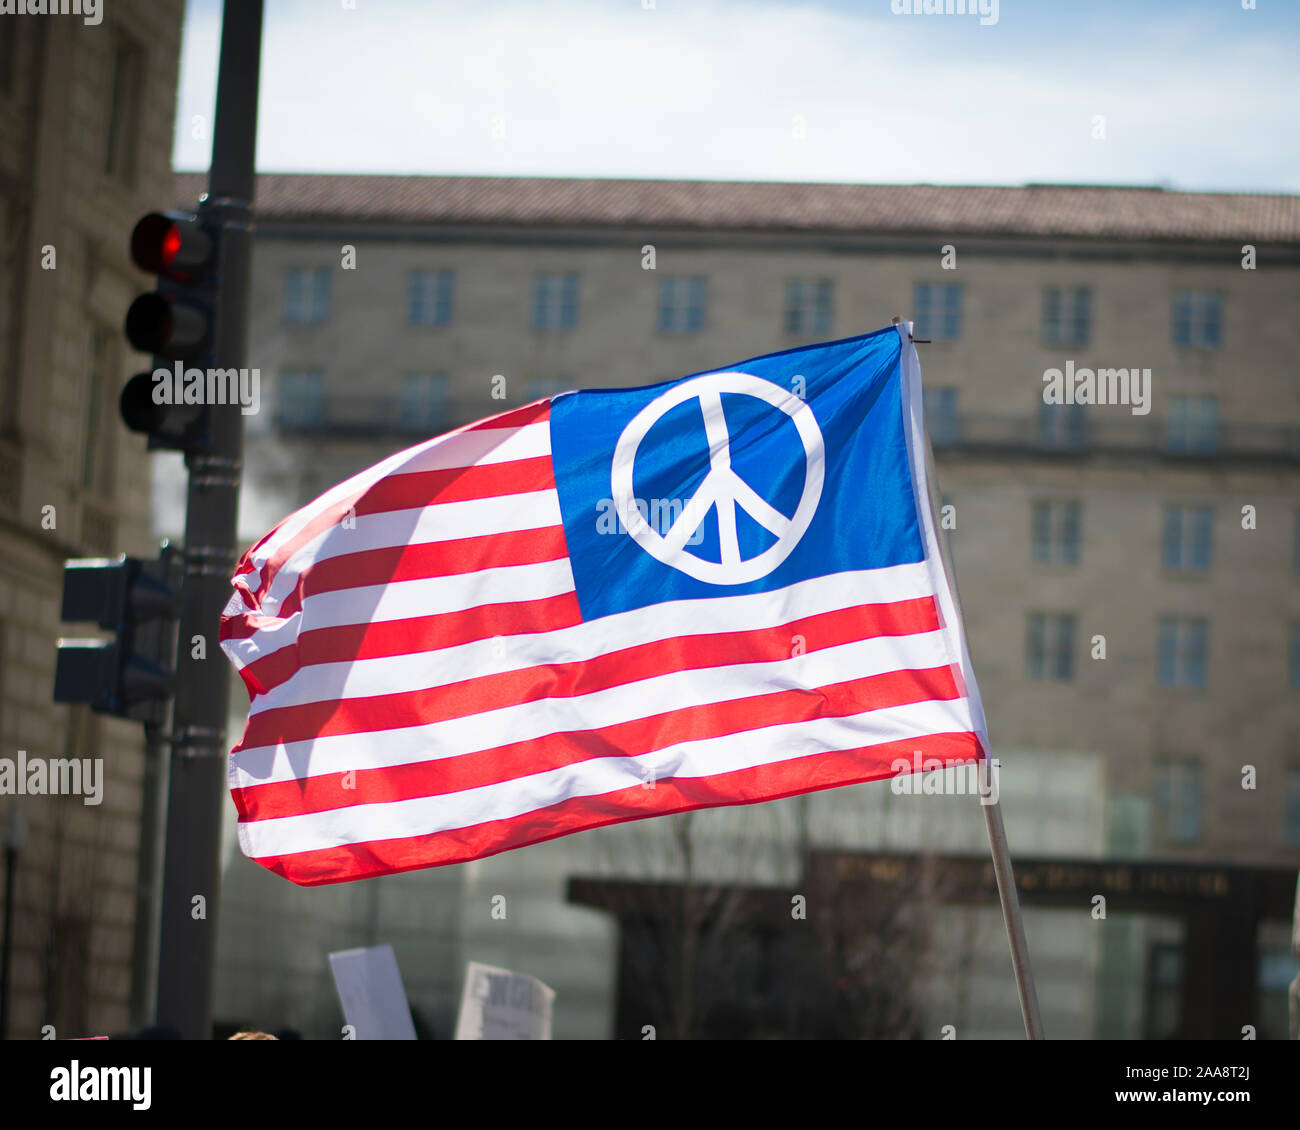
(129, 676)
(176, 323)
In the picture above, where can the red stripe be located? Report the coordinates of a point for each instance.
(434, 559)
(412, 490)
(626, 739)
(516, 418)
(564, 680)
(347, 642)
(407, 563)
(744, 786)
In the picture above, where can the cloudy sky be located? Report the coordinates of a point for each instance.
(1195, 94)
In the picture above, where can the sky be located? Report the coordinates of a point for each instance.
(1188, 94)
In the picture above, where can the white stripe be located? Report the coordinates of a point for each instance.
(457, 449)
(420, 525)
(528, 721)
(918, 448)
(432, 596)
(580, 642)
(706, 758)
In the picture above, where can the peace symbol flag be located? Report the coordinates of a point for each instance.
(608, 605)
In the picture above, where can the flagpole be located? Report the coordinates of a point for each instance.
(1002, 871)
(1015, 922)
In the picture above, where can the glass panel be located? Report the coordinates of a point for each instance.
(1172, 551)
(1167, 649)
(1035, 644)
(1071, 534)
(1064, 659)
(1041, 531)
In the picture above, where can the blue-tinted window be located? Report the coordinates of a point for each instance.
(941, 419)
(1177, 787)
(429, 298)
(1197, 319)
(1049, 647)
(1193, 424)
(307, 295)
(1062, 425)
(682, 305)
(424, 402)
(809, 308)
(1182, 646)
(937, 311)
(1056, 532)
(1067, 316)
(1186, 539)
(555, 302)
(300, 398)
(1291, 804)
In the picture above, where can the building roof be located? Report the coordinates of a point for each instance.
(1084, 211)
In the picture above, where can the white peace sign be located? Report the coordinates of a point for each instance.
(721, 487)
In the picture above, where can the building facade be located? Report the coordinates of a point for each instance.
(1116, 426)
(85, 141)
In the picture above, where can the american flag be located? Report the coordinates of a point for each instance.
(604, 606)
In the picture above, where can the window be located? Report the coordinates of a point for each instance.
(1186, 542)
(1164, 1007)
(96, 462)
(1197, 319)
(555, 302)
(937, 309)
(940, 405)
(541, 387)
(1291, 804)
(1177, 800)
(1295, 657)
(1050, 647)
(300, 399)
(429, 298)
(1062, 426)
(122, 132)
(1056, 532)
(1067, 316)
(1193, 424)
(682, 303)
(1182, 647)
(424, 401)
(809, 308)
(307, 295)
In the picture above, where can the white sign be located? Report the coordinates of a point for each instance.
(500, 1005)
(370, 990)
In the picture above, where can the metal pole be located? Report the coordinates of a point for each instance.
(11, 858)
(1015, 922)
(144, 945)
(196, 793)
(1006, 881)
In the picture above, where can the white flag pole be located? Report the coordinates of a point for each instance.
(1002, 871)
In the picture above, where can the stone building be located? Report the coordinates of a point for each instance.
(85, 144)
(1128, 570)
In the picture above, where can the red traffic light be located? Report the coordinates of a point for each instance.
(171, 244)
